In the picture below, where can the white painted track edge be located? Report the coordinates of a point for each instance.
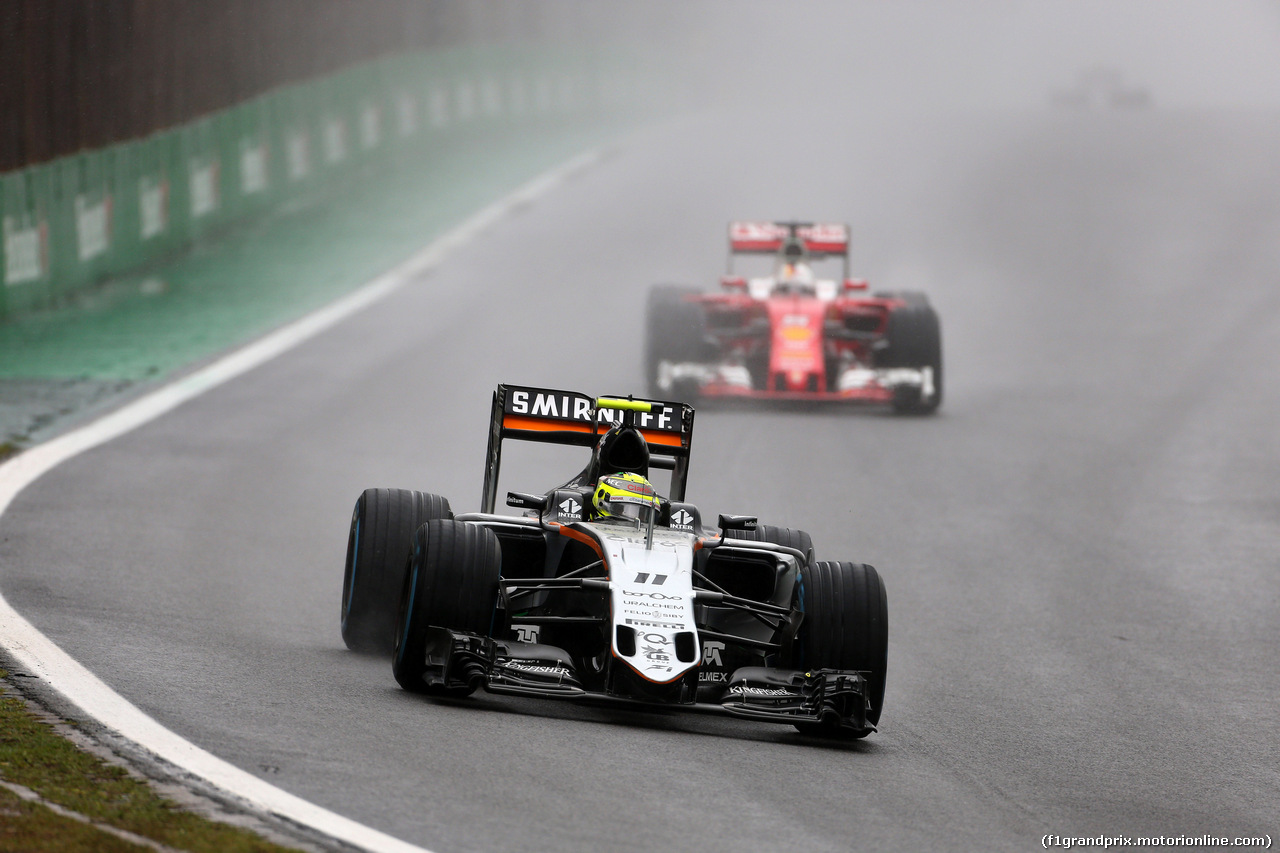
(41, 657)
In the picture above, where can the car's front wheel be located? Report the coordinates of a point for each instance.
(675, 331)
(451, 583)
(913, 338)
(846, 626)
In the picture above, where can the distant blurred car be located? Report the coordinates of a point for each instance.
(791, 334)
(1101, 87)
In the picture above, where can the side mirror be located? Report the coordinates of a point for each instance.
(855, 284)
(733, 282)
(520, 500)
(737, 522)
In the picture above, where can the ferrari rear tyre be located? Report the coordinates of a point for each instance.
(911, 297)
(846, 625)
(914, 339)
(452, 583)
(382, 527)
(788, 537)
(675, 331)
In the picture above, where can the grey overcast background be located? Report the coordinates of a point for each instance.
(941, 56)
(1081, 548)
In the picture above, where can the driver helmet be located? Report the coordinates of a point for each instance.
(625, 495)
(795, 269)
(797, 273)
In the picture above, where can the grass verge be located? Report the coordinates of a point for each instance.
(34, 756)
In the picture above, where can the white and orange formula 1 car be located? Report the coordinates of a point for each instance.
(606, 589)
(790, 334)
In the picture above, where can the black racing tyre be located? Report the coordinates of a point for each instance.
(911, 297)
(913, 338)
(452, 583)
(382, 528)
(846, 625)
(788, 537)
(675, 331)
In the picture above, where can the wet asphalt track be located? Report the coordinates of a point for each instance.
(1080, 550)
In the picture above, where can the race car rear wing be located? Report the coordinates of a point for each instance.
(567, 417)
(820, 239)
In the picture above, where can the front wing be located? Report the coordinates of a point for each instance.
(731, 382)
(826, 699)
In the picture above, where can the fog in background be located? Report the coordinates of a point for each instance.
(931, 55)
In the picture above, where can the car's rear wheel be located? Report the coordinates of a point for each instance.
(788, 537)
(382, 527)
(451, 583)
(846, 626)
(675, 331)
(913, 339)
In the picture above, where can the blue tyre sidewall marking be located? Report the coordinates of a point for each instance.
(351, 584)
(408, 614)
(804, 653)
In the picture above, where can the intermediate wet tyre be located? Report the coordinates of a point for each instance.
(846, 625)
(452, 583)
(382, 527)
(788, 537)
(913, 338)
(675, 331)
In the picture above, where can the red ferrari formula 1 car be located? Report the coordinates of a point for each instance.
(791, 335)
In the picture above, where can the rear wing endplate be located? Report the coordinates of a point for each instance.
(568, 417)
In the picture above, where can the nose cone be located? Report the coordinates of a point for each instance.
(654, 631)
(796, 359)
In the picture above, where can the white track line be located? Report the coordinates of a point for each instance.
(38, 655)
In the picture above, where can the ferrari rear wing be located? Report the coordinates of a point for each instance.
(819, 238)
(567, 417)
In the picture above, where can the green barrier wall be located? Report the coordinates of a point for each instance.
(80, 219)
